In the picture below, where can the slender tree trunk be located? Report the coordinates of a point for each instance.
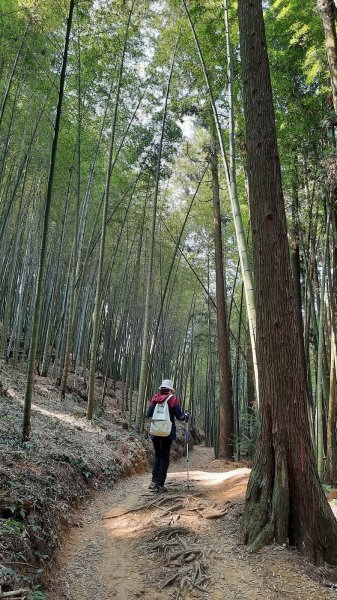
(237, 378)
(327, 9)
(330, 453)
(226, 418)
(285, 500)
(170, 271)
(148, 303)
(250, 394)
(330, 457)
(40, 279)
(71, 312)
(231, 185)
(319, 392)
(210, 391)
(11, 282)
(53, 300)
(10, 80)
(131, 362)
(5, 144)
(295, 257)
(97, 307)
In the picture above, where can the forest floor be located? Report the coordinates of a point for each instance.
(132, 543)
(66, 461)
(77, 518)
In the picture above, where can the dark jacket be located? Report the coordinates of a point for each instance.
(174, 408)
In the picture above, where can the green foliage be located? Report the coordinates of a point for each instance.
(249, 430)
(299, 73)
(305, 122)
(38, 595)
(78, 463)
(12, 526)
(6, 571)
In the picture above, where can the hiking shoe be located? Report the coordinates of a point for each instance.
(161, 489)
(152, 485)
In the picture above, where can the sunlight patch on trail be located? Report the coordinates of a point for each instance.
(208, 478)
(126, 526)
(132, 521)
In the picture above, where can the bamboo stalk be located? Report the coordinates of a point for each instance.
(97, 306)
(147, 311)
(232, 190)
(38, 297)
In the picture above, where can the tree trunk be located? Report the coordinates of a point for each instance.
(226, 418)
(169, 277)
(97, 306)
(330, 457)
(295, 256)
(40, 279)
(75, 266)
(148, 299)
(319, 391)
(330, 454)
(285, 500)
(10, 80)
(246, 272)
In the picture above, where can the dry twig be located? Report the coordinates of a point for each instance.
(15, 594)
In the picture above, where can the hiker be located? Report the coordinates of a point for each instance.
(162, 443)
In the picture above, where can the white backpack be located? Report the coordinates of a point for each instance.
(161, 423)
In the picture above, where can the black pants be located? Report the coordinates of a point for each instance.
(162, 447)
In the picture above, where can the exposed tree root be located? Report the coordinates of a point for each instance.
(187, 558)
(170, 531)
(157, 502)
(173, 508)
(177, 548)
(186, 555)
(173, 578)
(213, 515)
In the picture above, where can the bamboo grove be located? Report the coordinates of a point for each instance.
(125, 237)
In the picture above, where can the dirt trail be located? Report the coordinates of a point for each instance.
(124, 549)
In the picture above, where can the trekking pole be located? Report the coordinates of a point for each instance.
(187, 438)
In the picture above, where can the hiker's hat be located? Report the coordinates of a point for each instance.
(166, 383)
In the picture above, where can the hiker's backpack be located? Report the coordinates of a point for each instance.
(161, 423)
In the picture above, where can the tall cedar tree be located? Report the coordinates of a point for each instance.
(285, 500)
